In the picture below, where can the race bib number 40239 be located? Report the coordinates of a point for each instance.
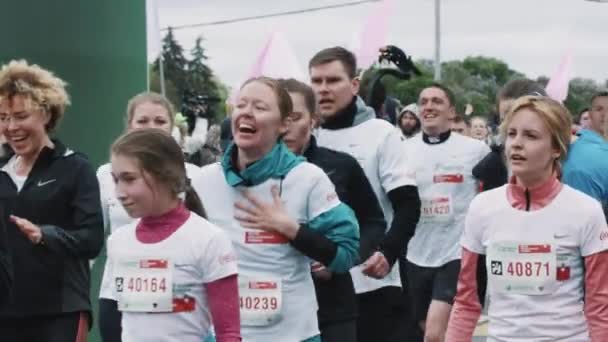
(260, 300)
(144, 285)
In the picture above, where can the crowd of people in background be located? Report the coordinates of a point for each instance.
(307, 215)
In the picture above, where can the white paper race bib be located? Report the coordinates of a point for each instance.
(260, 300)
(144, 285)
(521, 267)
(436, 209)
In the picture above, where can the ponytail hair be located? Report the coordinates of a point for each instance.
(159, 155)
(193, 201)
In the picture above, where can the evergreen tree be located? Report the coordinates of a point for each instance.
(174, 62)
(200, 76)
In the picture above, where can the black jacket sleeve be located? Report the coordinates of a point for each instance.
(6, 270)
(491, 170)
(85, 238)
(315, 245)
(364, 203)
(406, 207)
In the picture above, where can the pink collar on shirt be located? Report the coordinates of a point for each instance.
(535, 198)
(155, 229)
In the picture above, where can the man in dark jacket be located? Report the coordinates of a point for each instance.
(335, 292)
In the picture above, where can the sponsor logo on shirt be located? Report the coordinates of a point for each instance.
(533, 249)
(184, 304)
(262, 237)
(262, 285)
(332, 197)
(227, 258)
(454, 178)
(153, 263)
(43, 183)
(563, 273)
(604, 235)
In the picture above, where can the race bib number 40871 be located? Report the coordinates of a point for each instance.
(144, 285)
(522, 268)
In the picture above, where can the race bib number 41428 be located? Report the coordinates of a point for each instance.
(437, 209)
(144, 285)
(522, 268)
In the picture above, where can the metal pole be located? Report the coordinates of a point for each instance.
(161, 71)
(437, 40)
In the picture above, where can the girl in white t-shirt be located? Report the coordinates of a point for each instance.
(172, 271)
(145, 110)
(543, 243)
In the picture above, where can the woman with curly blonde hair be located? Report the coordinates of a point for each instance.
(50, 200)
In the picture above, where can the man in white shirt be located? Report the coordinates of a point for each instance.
(349, 126)
(443, 163)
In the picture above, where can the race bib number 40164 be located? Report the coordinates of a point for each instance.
(522, 268)
(144, 285)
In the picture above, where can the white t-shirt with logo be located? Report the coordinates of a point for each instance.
(114, 215)
(278, 301)
(171, 272)
(380, 151)
(535, 263)
(446, 187)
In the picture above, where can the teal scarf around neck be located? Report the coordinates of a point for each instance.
(275, 164)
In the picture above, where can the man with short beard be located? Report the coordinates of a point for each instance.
(408, 121)
(349, 126)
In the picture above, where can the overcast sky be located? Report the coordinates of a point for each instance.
(532, 36)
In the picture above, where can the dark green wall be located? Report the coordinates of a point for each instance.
(98, 47)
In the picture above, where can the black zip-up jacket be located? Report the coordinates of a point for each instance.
(492, 170)
(61, 196)
(6, 268)
(336, 296)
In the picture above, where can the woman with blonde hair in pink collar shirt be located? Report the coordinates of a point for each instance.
(543, 243)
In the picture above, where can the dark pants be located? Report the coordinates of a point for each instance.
(68, 327)
(383, 317)
(345, 331)
(109, 320)
(413, 332)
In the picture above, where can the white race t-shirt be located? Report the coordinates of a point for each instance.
(114, 215)
(380, 151)
(446, 187)
(535, 263)
(278, 301)
(196, 254)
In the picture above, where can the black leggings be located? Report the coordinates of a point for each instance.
(66, 327)
(109, 320)
(345, 331)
